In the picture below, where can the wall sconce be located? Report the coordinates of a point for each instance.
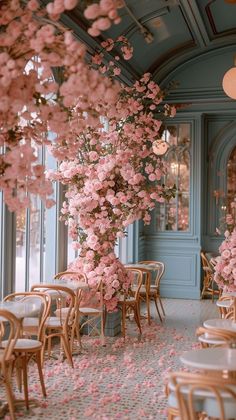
(229, 82)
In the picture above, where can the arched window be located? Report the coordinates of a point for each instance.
(174, 215)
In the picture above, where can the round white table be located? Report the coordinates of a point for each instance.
(224, 303)
(21, 309)
(229, 294)
(74, 286)
(220, 323)
(217, 359)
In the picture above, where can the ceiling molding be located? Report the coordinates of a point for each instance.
(175, 52)
(190, 10)
(168, 71)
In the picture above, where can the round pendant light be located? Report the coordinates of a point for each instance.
(229, 82)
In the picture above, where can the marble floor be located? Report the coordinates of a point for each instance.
(124, 380)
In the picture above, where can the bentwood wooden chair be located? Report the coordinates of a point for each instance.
(216, 337)
(61, 325)
(154, 289)
(92, 312)
(130, 300)
(7, 354)
(209, 285)
(26, 348)
(225, 306)
(198, 396)
(90, 309)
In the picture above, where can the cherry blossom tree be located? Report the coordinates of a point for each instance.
(107, 136)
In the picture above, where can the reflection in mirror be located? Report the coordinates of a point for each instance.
(174, 215)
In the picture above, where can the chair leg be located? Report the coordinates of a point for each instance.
(9, 393)
(123, 312)
(49, 346)
(25, 379)
(136, 317)
(148, 309)
(18, 374)
(67, 350)
(38, 361)
(42, 353)
(155, 300)
(163, 311)
(78, 335)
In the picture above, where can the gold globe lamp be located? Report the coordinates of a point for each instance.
(229, 82)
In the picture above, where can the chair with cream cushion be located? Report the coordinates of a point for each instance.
(130, 300)
(92, 312)
(7, 354)
(209, 285)
(154, 289)
(61, 325)
(26, 349)
(193, 396)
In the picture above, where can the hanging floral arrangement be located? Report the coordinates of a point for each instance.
(32, 43)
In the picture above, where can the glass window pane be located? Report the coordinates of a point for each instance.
(34, 242)
(171, 217)
(184, 175)
(183, 211)
(20, 251)
(71, 253)
(184, 134)
(161, 212)
(170, 135)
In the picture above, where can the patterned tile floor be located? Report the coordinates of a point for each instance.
(124, 380)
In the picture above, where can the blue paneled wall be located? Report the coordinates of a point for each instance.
(213, 119)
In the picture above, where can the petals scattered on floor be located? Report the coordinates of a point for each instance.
(126, 379)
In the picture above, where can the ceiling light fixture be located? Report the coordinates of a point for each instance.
(229, 82)
(148, 36)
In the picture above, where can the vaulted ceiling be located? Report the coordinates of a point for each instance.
(179, 29)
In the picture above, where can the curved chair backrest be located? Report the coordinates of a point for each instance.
(205, 261)
(63, 295)
(136, 282)
(227, 336)
(41, 299)
(212, 395)
(71, 275)
(159, 269)
(14, 332)
(226, 311)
